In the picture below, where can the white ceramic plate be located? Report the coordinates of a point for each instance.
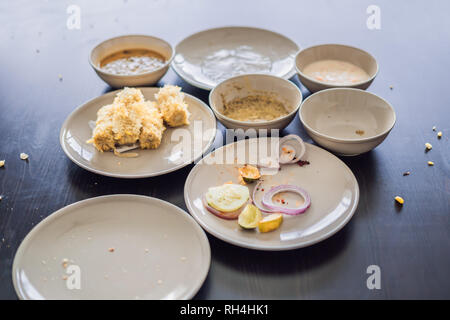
(206, 58)
(330, 183)
(160, 252)
(167, 158)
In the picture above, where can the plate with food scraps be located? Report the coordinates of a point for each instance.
(131, 133)
(113, 247)
(271, 193)
(209, 57)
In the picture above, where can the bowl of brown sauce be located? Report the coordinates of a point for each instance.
(131, 60)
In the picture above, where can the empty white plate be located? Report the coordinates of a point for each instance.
(207, 58)
(171, 155)
(113, 247)
(330, 183)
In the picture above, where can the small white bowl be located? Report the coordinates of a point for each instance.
(116, 44)
(347, 121)
(250, 84)
(341, 52)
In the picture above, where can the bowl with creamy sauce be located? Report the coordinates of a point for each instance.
(334, 66)
(347, 121)
(255, 101)
(131, 60)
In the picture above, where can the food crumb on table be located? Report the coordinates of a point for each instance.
(439, 135)
(428, 146)
(24, 156)
(407, 173)
(430, 163)
(2, 163)
(111, 249)
(399, 200)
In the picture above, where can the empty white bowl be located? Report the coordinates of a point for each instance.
(340, 52)
(347, 121)
(117, 44)
(251, 84)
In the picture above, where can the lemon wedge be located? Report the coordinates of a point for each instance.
(249, 217)
(270, 223)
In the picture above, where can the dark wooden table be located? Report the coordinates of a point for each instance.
(45, 75)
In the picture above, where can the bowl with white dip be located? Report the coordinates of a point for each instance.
(347, 121)
(335, 66)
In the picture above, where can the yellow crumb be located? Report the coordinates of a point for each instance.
(2, 163)
(439, 134)
(399, 200)
(23, 156)
(428, 146)
(430, 163)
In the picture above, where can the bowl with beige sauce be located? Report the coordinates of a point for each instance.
(335, 66)
(131, 60)
(255, 101)
(347, 121)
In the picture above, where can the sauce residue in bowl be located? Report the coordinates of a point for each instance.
(335, 72)
(132, 61)
(254, 108)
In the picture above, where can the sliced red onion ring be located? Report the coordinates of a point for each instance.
(292, 142)
(257, 202)
(267, 199)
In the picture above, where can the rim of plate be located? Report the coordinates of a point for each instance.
(204, 86)
(279, 247)
(132, 176)
(58, 213)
